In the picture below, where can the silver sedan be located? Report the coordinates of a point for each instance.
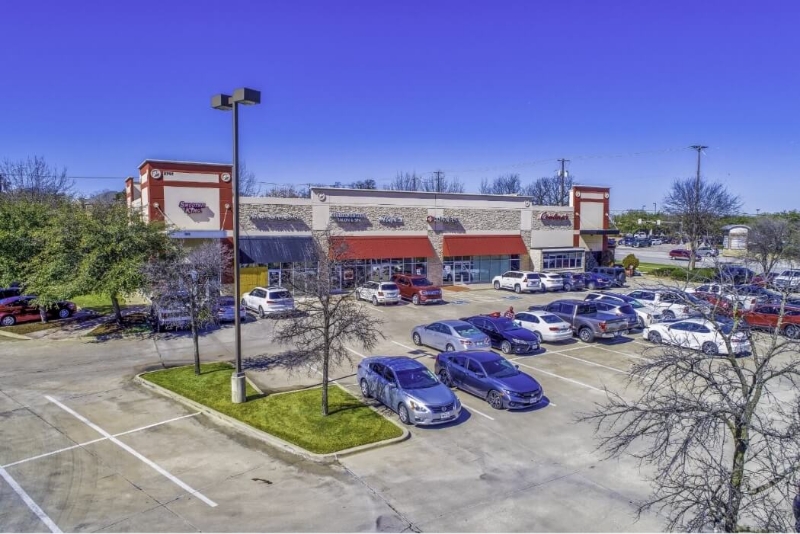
(450, 335)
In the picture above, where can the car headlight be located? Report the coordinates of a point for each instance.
(510, 393)
(417, 407)
(519, 341)
(458, 404)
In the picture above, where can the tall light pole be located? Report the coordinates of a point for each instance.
(226, 103)
(654, 208)
(696, 207)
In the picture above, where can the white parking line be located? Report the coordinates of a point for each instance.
(548, 351)
(138, 455)
(406, 346)
(623, 353)
(375, 308)
(595, 364)
(477, 412)
(43, 517)
(354, 352)
(558, 376)
(96, 440)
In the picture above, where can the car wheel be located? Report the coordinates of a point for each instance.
(669, 316)
(8, 320)
(63, 313)
(640, 322)
(449, 348)
(495, 400)
(654, 337)
(586, 335)
(261, 312)
(415, 300)
(444, 377)
(506, 347)
(543, 288)
(416, 339)
(497, 285)
(359, 296)
(592, 286)
(365, 389)
(791, 331)
(538, 337)
(710, 348)
(517, 289)
(567, 287)
(402, 411)
(374, 301)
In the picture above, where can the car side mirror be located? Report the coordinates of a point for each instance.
(517, 366)
(480, 375)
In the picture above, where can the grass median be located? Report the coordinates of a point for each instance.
(294, 417)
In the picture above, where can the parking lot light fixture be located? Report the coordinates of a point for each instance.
(231, 103)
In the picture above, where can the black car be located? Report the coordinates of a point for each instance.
(505, 334)
(734, 274)
(6, 292)
(616, 274)
(573, 281)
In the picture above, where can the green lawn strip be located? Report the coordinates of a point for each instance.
(647, 267)
(38, 326)
(133, 323)
(101, 304)
(294, 417)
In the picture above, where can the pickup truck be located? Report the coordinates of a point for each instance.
(587, 322)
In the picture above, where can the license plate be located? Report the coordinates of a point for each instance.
(445, 415)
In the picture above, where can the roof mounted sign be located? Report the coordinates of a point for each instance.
(192, 207)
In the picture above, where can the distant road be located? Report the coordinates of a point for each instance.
(660, 254)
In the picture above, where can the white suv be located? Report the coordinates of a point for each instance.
(379, 292)
(552, 282)
(268, 300)
(519, 281)
(788, 280)
(671, 304)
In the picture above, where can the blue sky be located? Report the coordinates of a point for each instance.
(364, 89)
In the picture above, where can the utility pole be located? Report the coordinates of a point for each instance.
(696, 207)
(438, 180)
(563, 176)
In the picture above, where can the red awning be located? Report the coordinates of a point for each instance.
(377, 247)
(483, 245)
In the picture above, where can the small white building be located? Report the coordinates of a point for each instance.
(735, 237)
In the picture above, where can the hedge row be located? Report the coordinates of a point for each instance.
(681, 274)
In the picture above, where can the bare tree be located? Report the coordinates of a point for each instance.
(405, 181)
(549, 191)
(248, 186)
(34, 179)
(440, 183)
(506, 184)
(288, 191)
(722, 432)
(771, 239)
(697, 205)
(189, 283)
(328, 321)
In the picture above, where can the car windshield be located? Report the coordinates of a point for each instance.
(725, 327)
(421, 282)
(416, 378)
(504, 324)
(550, 318)
(633, 303)
(280, 295)
(466, 330)
(225, 301)
(500, 368)
(389, 287)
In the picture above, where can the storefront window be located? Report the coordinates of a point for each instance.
(562, 260)
(466, 269)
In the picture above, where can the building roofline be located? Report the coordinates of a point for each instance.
(521, 198)
(142, 164)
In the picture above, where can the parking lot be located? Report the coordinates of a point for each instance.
(85, 449)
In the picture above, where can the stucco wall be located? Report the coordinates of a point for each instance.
(277, 218)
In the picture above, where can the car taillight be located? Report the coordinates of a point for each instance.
(686, 309)
(554, 329)
(466, 342)
(272, 302)
(603, 325)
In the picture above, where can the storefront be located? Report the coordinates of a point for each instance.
(449, 238)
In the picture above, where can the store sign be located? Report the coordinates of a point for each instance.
(447, 220)
(278, 217)
(192, 207)
(554, 218)
(391, 219)
(347, 217)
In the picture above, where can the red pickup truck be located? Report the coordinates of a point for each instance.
(417, 289)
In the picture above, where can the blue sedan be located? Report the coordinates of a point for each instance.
(505, 334)
(490, 377)
(409, 388)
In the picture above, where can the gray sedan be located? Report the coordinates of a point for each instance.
(450, 335)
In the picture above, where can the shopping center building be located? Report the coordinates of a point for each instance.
(449, 237)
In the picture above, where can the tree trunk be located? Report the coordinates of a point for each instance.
(737, 479)
(43, 313)
(325, 361)
(117, 309)
(194, 337)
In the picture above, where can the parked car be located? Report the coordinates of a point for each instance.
(573, 281)
(656, 241)
(450, 335)
(788, 280)
(612, 243)
(226, 309)
(644, 313)
(519, 281)
(6, 292)
(407, 387)
(673, 304)
(489, 376)
(615, 274)
(766, 280)
(545, 325)
(551, 282)
(619, 309)
(170, 311)
(586, 320)
(641, 242)
(379, 292)
(272, 300)
(682, 254)
(733, 274)
(505, 334)
(594, 281)
(707, 252)
(417, 289)
(22, 308)
(699, 334)
(769, 315)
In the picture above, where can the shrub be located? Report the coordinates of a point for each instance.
(703, 274)
(630, 262)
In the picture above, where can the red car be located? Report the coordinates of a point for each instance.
(681, 254)
(15, 310)
(764, 280)
(722, 304)
(417, 289)
(767, 315)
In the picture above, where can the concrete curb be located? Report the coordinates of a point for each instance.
(269, 439)
(15, 336)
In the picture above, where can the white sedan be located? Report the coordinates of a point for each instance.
(546, 326)
(699, 334)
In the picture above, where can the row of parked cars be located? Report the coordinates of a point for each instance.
(15, 307)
